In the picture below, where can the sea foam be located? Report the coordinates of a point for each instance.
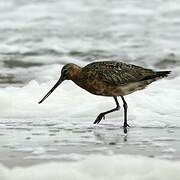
(156, 106)
(98, 167)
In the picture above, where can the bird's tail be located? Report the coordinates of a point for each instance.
(157, 75)
(162, 74)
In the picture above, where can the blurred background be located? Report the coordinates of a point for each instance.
(36, 34)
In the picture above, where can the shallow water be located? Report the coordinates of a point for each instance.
(31, 143)
(38, 37)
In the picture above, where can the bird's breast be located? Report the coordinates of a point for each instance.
(99, 88)
(104, 89)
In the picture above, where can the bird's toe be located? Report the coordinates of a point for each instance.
(99, 118)
(125, 127)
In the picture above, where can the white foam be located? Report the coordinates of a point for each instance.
(169, 150)
(156, 106)
(39, 151)
(98, 167)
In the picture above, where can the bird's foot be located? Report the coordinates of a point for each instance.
(99, 118)
(125, 128)
(126, 125)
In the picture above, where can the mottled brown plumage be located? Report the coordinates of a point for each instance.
(109, 78)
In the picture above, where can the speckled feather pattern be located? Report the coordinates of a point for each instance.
(111, 78)
(116, 73)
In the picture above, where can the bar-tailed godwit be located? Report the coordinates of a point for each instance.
(109, 78)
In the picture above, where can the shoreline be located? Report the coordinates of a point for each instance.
(161, 143)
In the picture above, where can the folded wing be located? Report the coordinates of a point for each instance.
(116, 73)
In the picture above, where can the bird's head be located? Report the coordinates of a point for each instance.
(69, 71)
(66, 72)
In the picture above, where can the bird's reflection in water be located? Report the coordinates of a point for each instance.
(111, 135)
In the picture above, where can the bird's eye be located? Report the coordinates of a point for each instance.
(65, 71)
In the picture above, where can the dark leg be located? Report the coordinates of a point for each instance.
(125, 112)
(102, 115)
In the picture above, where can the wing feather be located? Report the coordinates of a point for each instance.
(116, 73)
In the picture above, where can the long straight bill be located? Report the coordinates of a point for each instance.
(53, 88)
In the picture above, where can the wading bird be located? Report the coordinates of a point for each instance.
(109, 78)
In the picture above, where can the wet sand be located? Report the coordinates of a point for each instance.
(34, 144)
